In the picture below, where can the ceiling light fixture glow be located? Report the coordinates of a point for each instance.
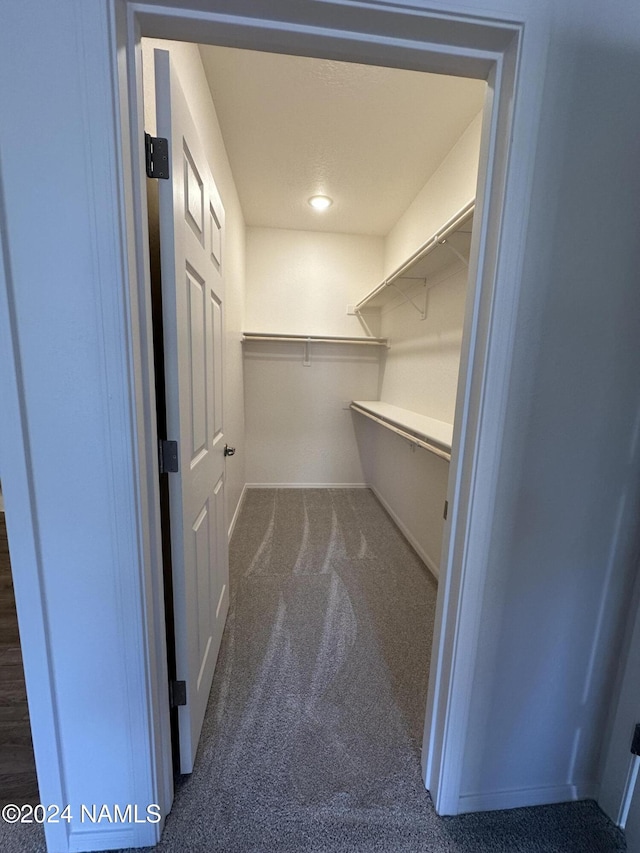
(320, 202)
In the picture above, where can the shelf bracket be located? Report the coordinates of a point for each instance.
(307, 353)
(364, 323)
(458, 254)
(421, 311)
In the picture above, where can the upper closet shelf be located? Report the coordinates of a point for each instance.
(426, 432)
(452, 241)
(307, 340)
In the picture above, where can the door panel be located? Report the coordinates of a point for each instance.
(216, 401)
(216, 238)
(197, 393)
(222, 587)
(191, 239)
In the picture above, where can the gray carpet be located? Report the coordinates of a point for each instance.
(312, 736)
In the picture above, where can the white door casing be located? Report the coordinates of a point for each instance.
(619, 795)
(632, 828)
(496, 52)
(191, 239)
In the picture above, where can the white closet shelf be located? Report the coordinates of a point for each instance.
(435, 436)
(307, 340)
(451, 241)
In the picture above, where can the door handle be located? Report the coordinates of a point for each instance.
(229, 451)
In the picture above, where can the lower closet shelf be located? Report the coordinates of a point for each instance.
(433, 435)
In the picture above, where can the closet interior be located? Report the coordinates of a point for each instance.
(384, 400)
(343, 326)
(351, 346)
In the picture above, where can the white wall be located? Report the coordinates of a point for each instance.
(448, 190)
(299, 427)
(410, 482)
(420, 373)
(420, 370)
(564, 528)
(300, 282)
(188, 64)
(565, 536)
(72, 515)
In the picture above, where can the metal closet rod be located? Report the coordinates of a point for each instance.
(432, 448)
(435, 240)
(325, 339)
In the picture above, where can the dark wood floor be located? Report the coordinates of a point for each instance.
(17, 766)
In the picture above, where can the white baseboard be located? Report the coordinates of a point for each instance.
(522, 797)
(306, 486)
(232, 526)
(426, 559)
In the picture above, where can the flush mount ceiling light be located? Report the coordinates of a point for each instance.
(320, 202)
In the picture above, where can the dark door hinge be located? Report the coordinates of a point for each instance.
(168, 456)
(177, 693)
(446, 510)
(156, 150)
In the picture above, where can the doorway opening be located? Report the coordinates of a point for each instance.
(444, 49)
(349, 325)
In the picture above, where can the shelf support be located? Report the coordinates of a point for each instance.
(458, 254)
(421, 311)
(440, 238)
(364, 323)
(307, 353)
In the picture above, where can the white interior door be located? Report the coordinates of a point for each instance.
(191, 239)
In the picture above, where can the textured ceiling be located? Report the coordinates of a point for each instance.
(368, 137)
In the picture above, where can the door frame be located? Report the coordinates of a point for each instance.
(398, 34)
(617, 781)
